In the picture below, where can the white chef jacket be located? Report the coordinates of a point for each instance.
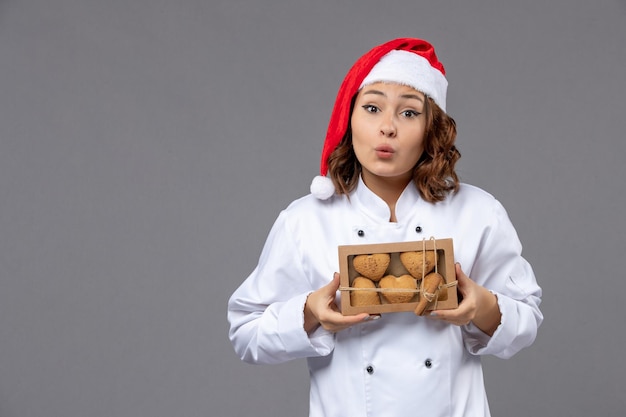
(400, 364)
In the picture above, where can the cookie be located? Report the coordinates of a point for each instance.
(401, 282)
(418, 263)
(372, 266)
(431, 291)
(363, 298)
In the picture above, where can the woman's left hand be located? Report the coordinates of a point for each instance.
(479, 305)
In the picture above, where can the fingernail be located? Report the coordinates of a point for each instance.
(433, 314)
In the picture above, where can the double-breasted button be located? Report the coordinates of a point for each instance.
(361, 233)
(370, 369)
(428, 363)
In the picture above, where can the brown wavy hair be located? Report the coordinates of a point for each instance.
(433, 175)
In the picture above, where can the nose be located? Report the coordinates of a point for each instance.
(388, 127)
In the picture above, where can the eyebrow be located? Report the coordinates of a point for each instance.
(380, 93)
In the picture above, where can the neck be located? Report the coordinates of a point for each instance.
(388, 189)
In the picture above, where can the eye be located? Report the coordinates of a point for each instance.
(370, 108)
(409, 114)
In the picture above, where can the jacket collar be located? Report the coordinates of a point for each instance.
(376, 207)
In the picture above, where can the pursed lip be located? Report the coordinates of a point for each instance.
(384, 148)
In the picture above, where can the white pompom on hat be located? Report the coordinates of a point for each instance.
(406, 61)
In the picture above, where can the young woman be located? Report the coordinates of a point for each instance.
(389, 155)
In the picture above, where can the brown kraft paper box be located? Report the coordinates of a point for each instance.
(444, 298)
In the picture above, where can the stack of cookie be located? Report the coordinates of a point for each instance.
(373, 270)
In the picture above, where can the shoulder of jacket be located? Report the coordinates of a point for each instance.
(309, 207)
(470, 197)
(474, 192)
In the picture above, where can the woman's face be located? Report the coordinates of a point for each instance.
(388, 131)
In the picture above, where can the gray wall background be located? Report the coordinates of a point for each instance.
(146, 147)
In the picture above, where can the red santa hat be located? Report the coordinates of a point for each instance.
(406, 61)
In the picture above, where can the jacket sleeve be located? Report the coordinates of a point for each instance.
(500, 267)
(266, 313)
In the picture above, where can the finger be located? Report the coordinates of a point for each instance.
(334, 284)
(450, 316)
(458, 315)
(331, 288)
(454, 315)
(447, 314)
(339, 322)
(460, 275)
(359, 318)
(463, 281)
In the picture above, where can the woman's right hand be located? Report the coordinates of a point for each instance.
(321, 310)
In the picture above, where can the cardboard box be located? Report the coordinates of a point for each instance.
(446, 295)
